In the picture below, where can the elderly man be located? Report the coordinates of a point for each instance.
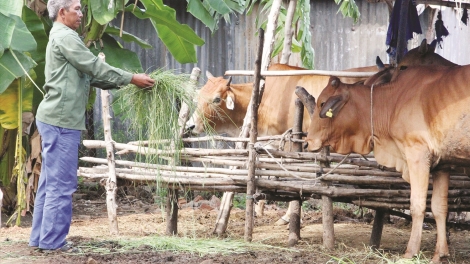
(70, 70)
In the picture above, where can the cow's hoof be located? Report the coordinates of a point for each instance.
(281, 222)
(440, 259)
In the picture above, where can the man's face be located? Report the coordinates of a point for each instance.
(73, 16)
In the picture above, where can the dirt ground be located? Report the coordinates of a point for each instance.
(139, 218)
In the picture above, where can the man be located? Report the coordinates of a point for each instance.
(70, 70)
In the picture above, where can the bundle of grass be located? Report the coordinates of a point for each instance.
(152, 114)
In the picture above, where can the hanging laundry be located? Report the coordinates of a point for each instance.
(464, 18)
(441, 30)
(412, 26)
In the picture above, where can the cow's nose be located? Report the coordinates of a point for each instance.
(305, 145)
(191, 127)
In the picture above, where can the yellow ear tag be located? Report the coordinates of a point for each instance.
(329, 113)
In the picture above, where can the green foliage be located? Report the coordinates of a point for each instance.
(211, 11)
(239, 201)
(349, 9)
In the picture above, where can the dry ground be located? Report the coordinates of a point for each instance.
(138, 220)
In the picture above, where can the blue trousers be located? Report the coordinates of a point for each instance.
(57, 182)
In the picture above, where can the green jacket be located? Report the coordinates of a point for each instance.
(70, 70)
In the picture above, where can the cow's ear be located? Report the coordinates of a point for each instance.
(209, 75)
(334, 82)
(230, 101)
(333, 105)
(423, 48)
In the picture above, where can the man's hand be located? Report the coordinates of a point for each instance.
(142, 80)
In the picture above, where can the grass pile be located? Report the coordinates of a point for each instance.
(152, 114)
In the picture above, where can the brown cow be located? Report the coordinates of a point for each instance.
(422, 55)
(224, 105)
(418, 124)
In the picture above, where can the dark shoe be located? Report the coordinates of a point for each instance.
(66, 248)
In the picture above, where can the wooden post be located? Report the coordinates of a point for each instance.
(288, 32)
(172, 212)
(111, 182)
(295, 206)
(172, 197)
(250, 186)
(327, 211)
(377, 228)
(271, 27)
(1, 205)
(224, 213)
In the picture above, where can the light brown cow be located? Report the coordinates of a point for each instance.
(419, 123)
(224, 105)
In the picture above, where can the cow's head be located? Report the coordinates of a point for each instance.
(335, 120)
(214, 102)
(422, 55)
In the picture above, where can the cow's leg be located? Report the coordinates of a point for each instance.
(259, 208)
(418, 173)
(440, 192)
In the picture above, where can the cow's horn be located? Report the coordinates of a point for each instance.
(209, 75)
(229, 81)
(423, 48)
(380, 64)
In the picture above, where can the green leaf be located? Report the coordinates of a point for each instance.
(9, 102)
(220, 6)
(8, 26)
(197, 9)
(112, 30)
(236, 6)
(182, 50)
(22, 40)
(105, 10)
(36, 27)
(167, 17)
(11, 7)
(10, 70)
(115, 54)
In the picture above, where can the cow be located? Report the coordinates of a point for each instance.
(419, 123)
(424, 54)
(224, 104)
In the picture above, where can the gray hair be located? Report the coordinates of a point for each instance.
(53, 7)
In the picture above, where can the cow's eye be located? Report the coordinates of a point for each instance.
(217, 100)
(402, 68)
(321, 105)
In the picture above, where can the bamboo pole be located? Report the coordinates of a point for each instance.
(302, 72)
(288, 32)
(327, 210)
(294, 206)
(111, 182)
(250, 186)
(1, 206)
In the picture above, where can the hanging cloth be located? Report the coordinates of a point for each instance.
(412, 25)
(464, 16)
(441, 30)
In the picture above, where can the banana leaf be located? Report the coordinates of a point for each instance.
(115, 31)
(10, 69)
(36, 27)
(105, 11)
(9, 102)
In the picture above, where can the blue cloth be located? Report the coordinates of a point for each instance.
(413, 24)
(57, 182)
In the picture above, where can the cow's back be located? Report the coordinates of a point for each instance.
(277, 108)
